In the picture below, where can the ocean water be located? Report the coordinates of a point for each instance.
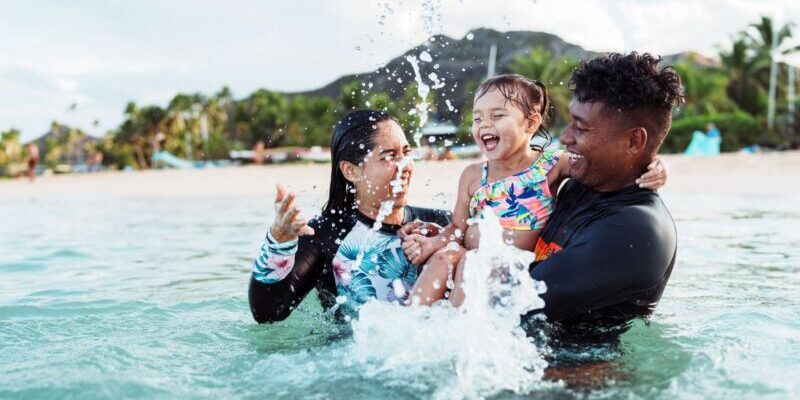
(146, 298)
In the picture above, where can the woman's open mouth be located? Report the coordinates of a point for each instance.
(490, 141)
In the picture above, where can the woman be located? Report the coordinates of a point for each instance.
(343, 252)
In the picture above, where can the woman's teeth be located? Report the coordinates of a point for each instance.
(490, 141)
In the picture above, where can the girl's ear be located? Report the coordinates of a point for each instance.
(350, 171)
(534, 122)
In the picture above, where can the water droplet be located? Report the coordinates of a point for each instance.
(470, 36)
(425, 56)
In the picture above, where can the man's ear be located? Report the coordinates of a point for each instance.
(350, 171)
(637, 140)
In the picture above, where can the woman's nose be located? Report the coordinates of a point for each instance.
(406, 164)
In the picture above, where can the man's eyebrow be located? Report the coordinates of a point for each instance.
(577, 118)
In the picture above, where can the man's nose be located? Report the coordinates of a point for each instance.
(567, 138)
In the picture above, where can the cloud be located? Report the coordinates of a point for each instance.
(53, 55)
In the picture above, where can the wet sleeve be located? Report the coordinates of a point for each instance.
(623, 257)
(283, 274)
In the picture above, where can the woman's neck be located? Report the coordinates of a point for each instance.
(395, 217)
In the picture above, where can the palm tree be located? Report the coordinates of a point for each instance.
(540, 65)
(705, 89)
(768, 43)
(761, 34)
(748, 74)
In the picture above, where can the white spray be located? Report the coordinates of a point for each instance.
(477, 350)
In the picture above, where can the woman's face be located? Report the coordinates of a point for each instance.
(379, 181)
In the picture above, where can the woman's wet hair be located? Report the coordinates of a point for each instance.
(353, 139)
(528, 95)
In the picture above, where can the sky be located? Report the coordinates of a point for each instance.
(99, 55)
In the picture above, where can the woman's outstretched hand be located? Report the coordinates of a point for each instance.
(288, 224)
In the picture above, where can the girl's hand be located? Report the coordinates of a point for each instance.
(288, 224)
(655, 177)
(421, 228)
(418, 248)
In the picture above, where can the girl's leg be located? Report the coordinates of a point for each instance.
(457, 294)
(432, 282)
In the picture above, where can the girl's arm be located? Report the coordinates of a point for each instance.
(418, 248)
(655, 177)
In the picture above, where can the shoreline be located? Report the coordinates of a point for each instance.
(747, 174)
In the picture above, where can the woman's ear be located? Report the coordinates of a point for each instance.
(350, 171)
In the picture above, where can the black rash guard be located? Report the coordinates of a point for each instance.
(344, 258)
(605, 257)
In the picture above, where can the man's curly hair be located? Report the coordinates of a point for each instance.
(635, 87)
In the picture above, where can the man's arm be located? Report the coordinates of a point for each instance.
(622, 257)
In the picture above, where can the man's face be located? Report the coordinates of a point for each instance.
(597, 146)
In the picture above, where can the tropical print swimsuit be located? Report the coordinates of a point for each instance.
(345, 259)
(522, 201)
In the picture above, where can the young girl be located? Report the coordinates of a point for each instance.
(518, 181)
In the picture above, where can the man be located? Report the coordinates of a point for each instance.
(608, 248)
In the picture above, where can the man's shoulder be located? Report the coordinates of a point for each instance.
(644, 214)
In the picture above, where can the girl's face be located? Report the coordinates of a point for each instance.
(499, 127)
(378, 180)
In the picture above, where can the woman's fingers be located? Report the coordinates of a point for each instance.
(300, 228)
(292, 215)
(281, 192)
(287, 203)
(306, 231)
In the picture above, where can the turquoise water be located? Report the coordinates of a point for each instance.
(146, 298)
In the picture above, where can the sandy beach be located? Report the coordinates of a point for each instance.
(759, 174)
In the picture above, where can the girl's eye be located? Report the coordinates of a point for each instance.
(498, 115)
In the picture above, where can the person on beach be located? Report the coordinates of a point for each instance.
(33, 160)
(516, 182)
(343, 252)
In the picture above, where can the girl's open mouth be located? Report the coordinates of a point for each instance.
(490, 141)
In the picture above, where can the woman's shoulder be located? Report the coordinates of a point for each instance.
(331, 224)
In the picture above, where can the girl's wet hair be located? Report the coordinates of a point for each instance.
(528, 95)
(353, 138)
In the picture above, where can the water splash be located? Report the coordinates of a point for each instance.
(422, 107)
(477, 350)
